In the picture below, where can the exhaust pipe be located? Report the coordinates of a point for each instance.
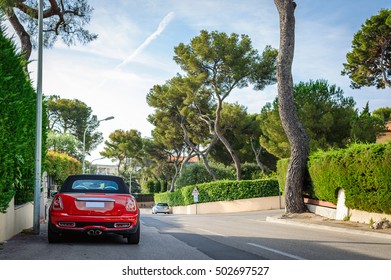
(94, 232)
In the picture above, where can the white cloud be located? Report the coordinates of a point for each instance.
(162, 25)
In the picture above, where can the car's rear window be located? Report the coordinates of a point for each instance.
(162, 204)
(96, 185)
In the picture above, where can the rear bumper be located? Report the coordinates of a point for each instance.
(162, 211)
(84, 224)
(165, 211)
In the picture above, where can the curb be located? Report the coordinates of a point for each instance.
(330, 228)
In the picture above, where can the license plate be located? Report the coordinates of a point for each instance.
(93, 204)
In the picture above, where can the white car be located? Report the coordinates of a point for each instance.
(161, 207)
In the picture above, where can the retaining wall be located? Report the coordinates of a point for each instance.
(242, 205)
(15, 220)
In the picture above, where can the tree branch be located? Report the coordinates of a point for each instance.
(384, 74)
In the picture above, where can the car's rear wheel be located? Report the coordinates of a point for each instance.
(134, 238)
(53, 237)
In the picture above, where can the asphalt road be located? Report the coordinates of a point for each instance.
(239, 236)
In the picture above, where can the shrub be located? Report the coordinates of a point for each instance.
(17, 127)
(251, 171)
(60, 166)
(362, 170)
(221, 191)
(152, 186)
(196, 174)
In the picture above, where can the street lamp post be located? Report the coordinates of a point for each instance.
(89, 170)
(38, 140)
(84, 141)
(130, 174)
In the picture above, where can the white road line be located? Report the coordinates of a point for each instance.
(276, 251)
(211, 232)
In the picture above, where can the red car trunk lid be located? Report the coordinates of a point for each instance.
(94, 204)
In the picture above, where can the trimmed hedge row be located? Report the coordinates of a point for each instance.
(220, 191)
(17, 126)
(362, 170)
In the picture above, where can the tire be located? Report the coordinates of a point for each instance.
(135, 237)
(53, 237)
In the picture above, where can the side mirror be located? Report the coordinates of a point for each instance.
(52, 194)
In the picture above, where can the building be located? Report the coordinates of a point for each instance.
(106, 169)
(386, 136)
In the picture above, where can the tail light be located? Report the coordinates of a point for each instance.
(57, 203)
(131, 204)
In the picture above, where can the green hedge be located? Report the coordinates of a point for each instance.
(362, 170)
(220, 191)
(17, 127)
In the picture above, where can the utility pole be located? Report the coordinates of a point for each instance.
(84, 141)
(38, 137)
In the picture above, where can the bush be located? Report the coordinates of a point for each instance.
(251, 171)
(60, 166)
(362, 170)
(196, 174)
(152, 186)
(221, 191)
(17, 127)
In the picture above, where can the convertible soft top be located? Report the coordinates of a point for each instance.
(94, 183)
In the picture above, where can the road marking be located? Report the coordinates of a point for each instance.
(211, 232)
(276, 251)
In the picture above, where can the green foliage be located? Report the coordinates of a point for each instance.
(368, 64)
(366, 128)
(273, 137)
(325, 114)
(251, 171)
(382, 113)
(222, 63)
(239, 128)
(362, 170)
(17, 127)
(61, 165)
(122, 146)
(63, 20)
(72, 116)
(282, 171)
(193, 174)
(153, 186)
(65, 143)
(221, 191)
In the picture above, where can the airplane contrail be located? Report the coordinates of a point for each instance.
(162, 25)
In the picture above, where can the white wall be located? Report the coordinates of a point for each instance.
(15, 220)
(241, 205)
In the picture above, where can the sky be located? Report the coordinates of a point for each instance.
(135, 48)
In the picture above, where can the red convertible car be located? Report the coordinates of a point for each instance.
(94, 205)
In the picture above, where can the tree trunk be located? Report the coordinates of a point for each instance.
(257, 152)
(293, 128)
(172, 186)
(25, 41)
(227, 145)
(198, 152)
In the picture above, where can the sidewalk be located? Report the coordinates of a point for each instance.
(312, 220)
